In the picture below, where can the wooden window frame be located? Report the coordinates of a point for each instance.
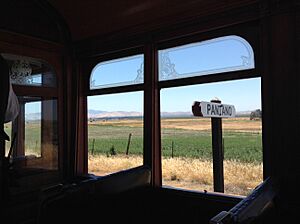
(241, 31)
(152, 140)
(88, 67)
(52, 53)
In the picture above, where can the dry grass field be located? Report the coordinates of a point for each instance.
(197, 124)
(187, 173)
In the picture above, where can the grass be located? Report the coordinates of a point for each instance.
(103, 137)
(197, 174)
(240, 145)
(32, 137)
(187, 173)
(190, 138)
(243, 147)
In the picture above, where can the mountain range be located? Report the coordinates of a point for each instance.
(98, 114)
(95, 114)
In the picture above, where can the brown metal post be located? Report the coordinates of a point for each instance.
(217, 147)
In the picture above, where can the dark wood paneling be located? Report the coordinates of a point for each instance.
(280, 83)
(27, 17)
(172, 30)
(46, 92)
(98, 18)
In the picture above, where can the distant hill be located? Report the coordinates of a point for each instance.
(98, 114)
(106, 114)
(94, 114)
(32, 116)
(176, 114)
(96, 111)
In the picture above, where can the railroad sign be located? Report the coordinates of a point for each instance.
(216, 111)
(210, 109)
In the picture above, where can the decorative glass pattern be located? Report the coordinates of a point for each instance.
(20, 72)
(119, 72)
(30, 71)
(166, 67)
(224, 54)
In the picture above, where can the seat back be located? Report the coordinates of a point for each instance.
(79, 201)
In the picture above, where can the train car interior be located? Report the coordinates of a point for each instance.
(149, 111)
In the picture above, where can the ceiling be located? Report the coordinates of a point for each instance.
(93, 18)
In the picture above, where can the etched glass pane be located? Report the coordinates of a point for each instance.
(224, 54)
(119, 72)
(30, 71)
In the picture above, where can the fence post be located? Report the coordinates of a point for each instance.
(93, 146)
(172, 149)
(128, 144)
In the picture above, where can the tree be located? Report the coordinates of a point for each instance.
(257, 114)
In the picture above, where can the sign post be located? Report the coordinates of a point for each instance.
(218, 154)
(216, 111)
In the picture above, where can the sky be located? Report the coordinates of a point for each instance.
(243, 94)
(215, 56)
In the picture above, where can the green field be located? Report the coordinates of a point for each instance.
(32, 137)
(108, 136)
(112, 137)
(242, 146)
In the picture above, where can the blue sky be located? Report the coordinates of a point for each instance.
(244, 94)
(218, 55)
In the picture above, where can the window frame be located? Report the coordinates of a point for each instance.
(53, 54)
(251, 36)
(248, 30)
(44, 93)
(117, 84)
(108, 56)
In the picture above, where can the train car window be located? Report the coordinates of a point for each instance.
(187, 141)
(224, 54)
(34, 141)
(40, 132)
(118, 72)
(116, 120)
